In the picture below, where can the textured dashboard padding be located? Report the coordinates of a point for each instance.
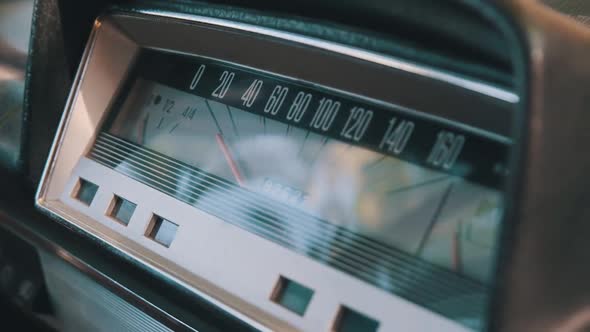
(434, 32)
(577, 9)
(438, 33)
(11, 99)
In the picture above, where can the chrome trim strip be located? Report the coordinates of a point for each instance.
(42, 243)
(479, 87)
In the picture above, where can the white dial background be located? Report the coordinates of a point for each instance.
(441, 218)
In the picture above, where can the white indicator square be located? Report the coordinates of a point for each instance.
(162, 230)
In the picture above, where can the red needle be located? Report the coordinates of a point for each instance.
(230, 161)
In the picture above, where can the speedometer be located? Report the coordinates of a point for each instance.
(312, 169)
(313, 187)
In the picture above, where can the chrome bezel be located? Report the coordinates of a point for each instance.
(129, 30)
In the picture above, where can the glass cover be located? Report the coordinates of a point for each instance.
(406, 203)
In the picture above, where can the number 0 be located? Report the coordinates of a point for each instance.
(197, 77)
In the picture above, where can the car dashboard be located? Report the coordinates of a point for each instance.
(311, 166)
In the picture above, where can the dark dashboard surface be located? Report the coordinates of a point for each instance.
(537, 169)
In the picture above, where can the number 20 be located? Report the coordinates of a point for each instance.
(225, 81)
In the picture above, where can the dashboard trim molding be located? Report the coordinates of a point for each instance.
(386, 60)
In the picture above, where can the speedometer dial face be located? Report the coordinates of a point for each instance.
(434, 215)
(378, 193)
(338, 182)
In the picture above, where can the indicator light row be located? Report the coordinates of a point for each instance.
(296, 298)
(287, 293)
(160, 230)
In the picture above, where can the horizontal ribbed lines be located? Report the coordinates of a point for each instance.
(376, 263)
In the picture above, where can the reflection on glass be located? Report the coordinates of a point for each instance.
(445, 220)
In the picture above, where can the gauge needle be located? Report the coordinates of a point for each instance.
(230, 160)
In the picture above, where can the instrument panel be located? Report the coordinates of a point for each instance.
(300, 185)
(321, 160)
